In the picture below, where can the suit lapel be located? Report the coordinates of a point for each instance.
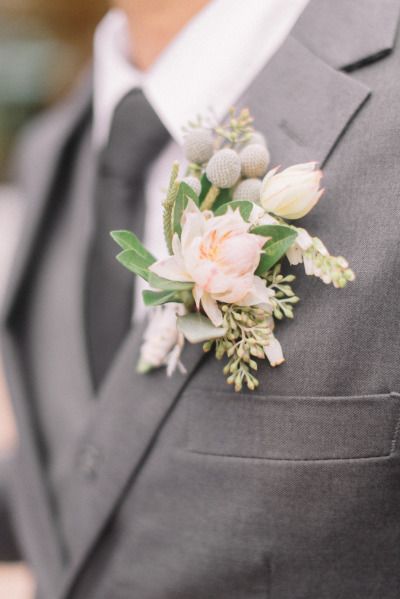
(304, 106)
(39, 170)
(348, 35)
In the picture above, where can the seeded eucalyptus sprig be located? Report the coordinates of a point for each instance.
(237, 130)
(284, 299)
(248, 331)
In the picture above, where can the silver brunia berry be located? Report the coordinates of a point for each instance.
(198, 145)
(255, 160)
(248, 189)
(223, 170)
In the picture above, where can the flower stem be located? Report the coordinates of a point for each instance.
(193, 170)
(168, 206)
(210, 198)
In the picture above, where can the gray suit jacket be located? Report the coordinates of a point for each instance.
(180, 489)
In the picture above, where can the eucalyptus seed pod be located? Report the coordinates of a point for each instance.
(198, 145)
(248, 189)
(254, 159)
(251, 384)
(223, 170)
(194, 183)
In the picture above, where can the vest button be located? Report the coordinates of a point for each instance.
(89, 462)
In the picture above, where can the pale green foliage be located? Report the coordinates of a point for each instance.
(198, 328)
(284, 298)
(331, 269)
(237, 130)
(248, 331)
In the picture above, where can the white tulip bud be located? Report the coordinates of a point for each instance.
(194, 183)
(293, 192)
(223, 170)
(255, 160)
(198, 145)
(249, 189)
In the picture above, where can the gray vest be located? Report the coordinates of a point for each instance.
(54, 341)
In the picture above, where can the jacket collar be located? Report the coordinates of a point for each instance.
(348, 35)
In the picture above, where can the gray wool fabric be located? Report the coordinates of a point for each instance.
(179, 488)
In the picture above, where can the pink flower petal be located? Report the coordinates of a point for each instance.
(171, 269)
(258, 294)
(210, 307)
(274, 353)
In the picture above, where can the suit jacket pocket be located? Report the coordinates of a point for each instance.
(292, 428)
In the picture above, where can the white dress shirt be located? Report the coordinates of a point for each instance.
(206, 67)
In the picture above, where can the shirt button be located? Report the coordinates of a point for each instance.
(89, 462)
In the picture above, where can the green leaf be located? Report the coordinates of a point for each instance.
(185, 192)
(135, 263)
(282, 238)
(224, 196)
(128, 241)
(205, 187)
(244, 206)
(156, 298)
(167, 285)
(197, 328)
(274, 231)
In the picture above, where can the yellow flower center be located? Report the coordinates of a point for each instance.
(210, 246)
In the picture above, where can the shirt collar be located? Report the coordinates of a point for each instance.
(205, 68)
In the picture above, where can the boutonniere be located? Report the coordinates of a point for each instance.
(228, 226)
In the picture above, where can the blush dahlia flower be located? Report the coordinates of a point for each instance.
(219, 256)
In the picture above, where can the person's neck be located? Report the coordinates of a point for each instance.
(154, 23)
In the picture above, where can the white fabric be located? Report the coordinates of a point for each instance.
(205, 68)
